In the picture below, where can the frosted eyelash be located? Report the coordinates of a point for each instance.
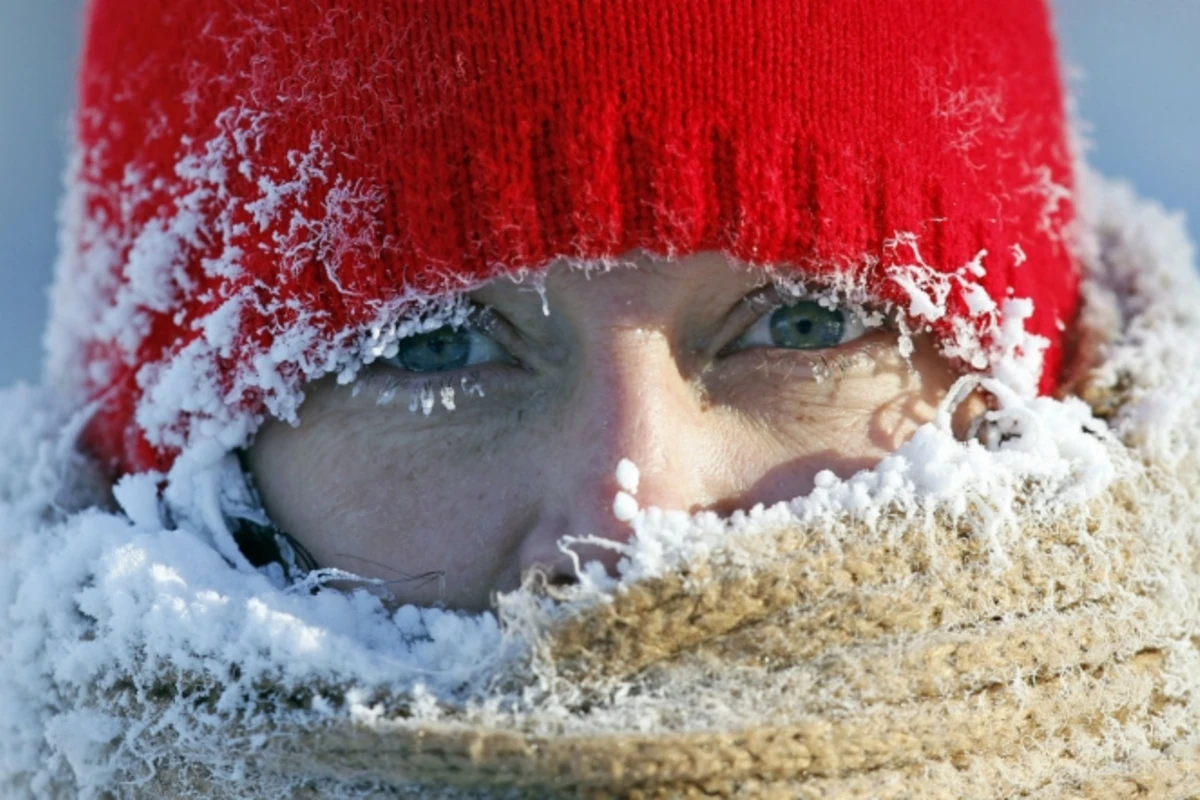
(825, 367)
(425, 394)
(851, 299)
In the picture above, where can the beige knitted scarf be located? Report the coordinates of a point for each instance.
(1039, 646)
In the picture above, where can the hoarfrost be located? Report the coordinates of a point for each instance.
(154, 585)
(628, 476)
(625, 506)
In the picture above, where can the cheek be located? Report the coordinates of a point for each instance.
(366, 493)
(848, 414)
(786, 434)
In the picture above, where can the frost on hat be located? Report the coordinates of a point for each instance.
(262, 190)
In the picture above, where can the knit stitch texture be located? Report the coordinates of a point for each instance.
(260, 184)
(1028, 634)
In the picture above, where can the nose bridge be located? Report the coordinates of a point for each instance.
(629, 401)
(624, 396)
(633, 403)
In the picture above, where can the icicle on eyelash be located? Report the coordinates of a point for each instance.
(471, 386)
(421, 398)
(825, 368)
(426, 396)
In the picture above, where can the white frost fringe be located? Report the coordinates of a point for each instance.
(92, 592)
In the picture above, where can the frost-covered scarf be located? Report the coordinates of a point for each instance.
(1013, 615)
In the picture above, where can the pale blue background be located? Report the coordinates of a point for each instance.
(1142, 94)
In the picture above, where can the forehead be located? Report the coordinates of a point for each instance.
(637, 278)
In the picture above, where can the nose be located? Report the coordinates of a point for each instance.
(630, 401)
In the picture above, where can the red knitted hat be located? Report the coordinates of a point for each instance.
(262, 188)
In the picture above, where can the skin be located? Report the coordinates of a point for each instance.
(638, 363)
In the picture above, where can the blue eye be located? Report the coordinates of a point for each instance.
(445, 349)
(803, 325)
(806, 326)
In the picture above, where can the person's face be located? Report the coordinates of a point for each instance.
(470, 453)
